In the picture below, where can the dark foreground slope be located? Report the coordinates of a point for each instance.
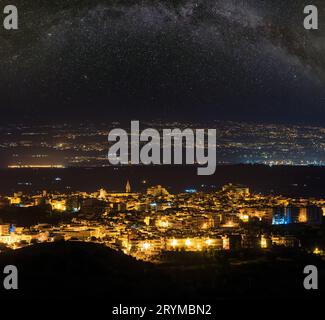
(74, 270)
(81, 270)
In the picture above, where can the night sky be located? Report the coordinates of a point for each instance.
(108, 60)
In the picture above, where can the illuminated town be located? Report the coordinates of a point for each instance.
(147, 225)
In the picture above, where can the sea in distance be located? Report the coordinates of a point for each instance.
(293, 181)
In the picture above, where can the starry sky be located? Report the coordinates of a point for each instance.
(172, 59)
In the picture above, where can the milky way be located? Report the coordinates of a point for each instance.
(176, 59)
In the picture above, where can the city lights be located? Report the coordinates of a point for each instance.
(263, 242)
(317, 251)
(181, 222)
(209, 242)
(146, 246)
(36, 166)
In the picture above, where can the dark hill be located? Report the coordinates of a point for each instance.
(82, 270)
(88, 271)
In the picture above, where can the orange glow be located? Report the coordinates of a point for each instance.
(35, 166)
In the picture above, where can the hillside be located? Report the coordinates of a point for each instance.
(83, 271)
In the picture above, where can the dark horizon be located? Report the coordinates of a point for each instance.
(84, 118)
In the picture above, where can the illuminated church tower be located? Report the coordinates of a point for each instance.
(128, 187)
